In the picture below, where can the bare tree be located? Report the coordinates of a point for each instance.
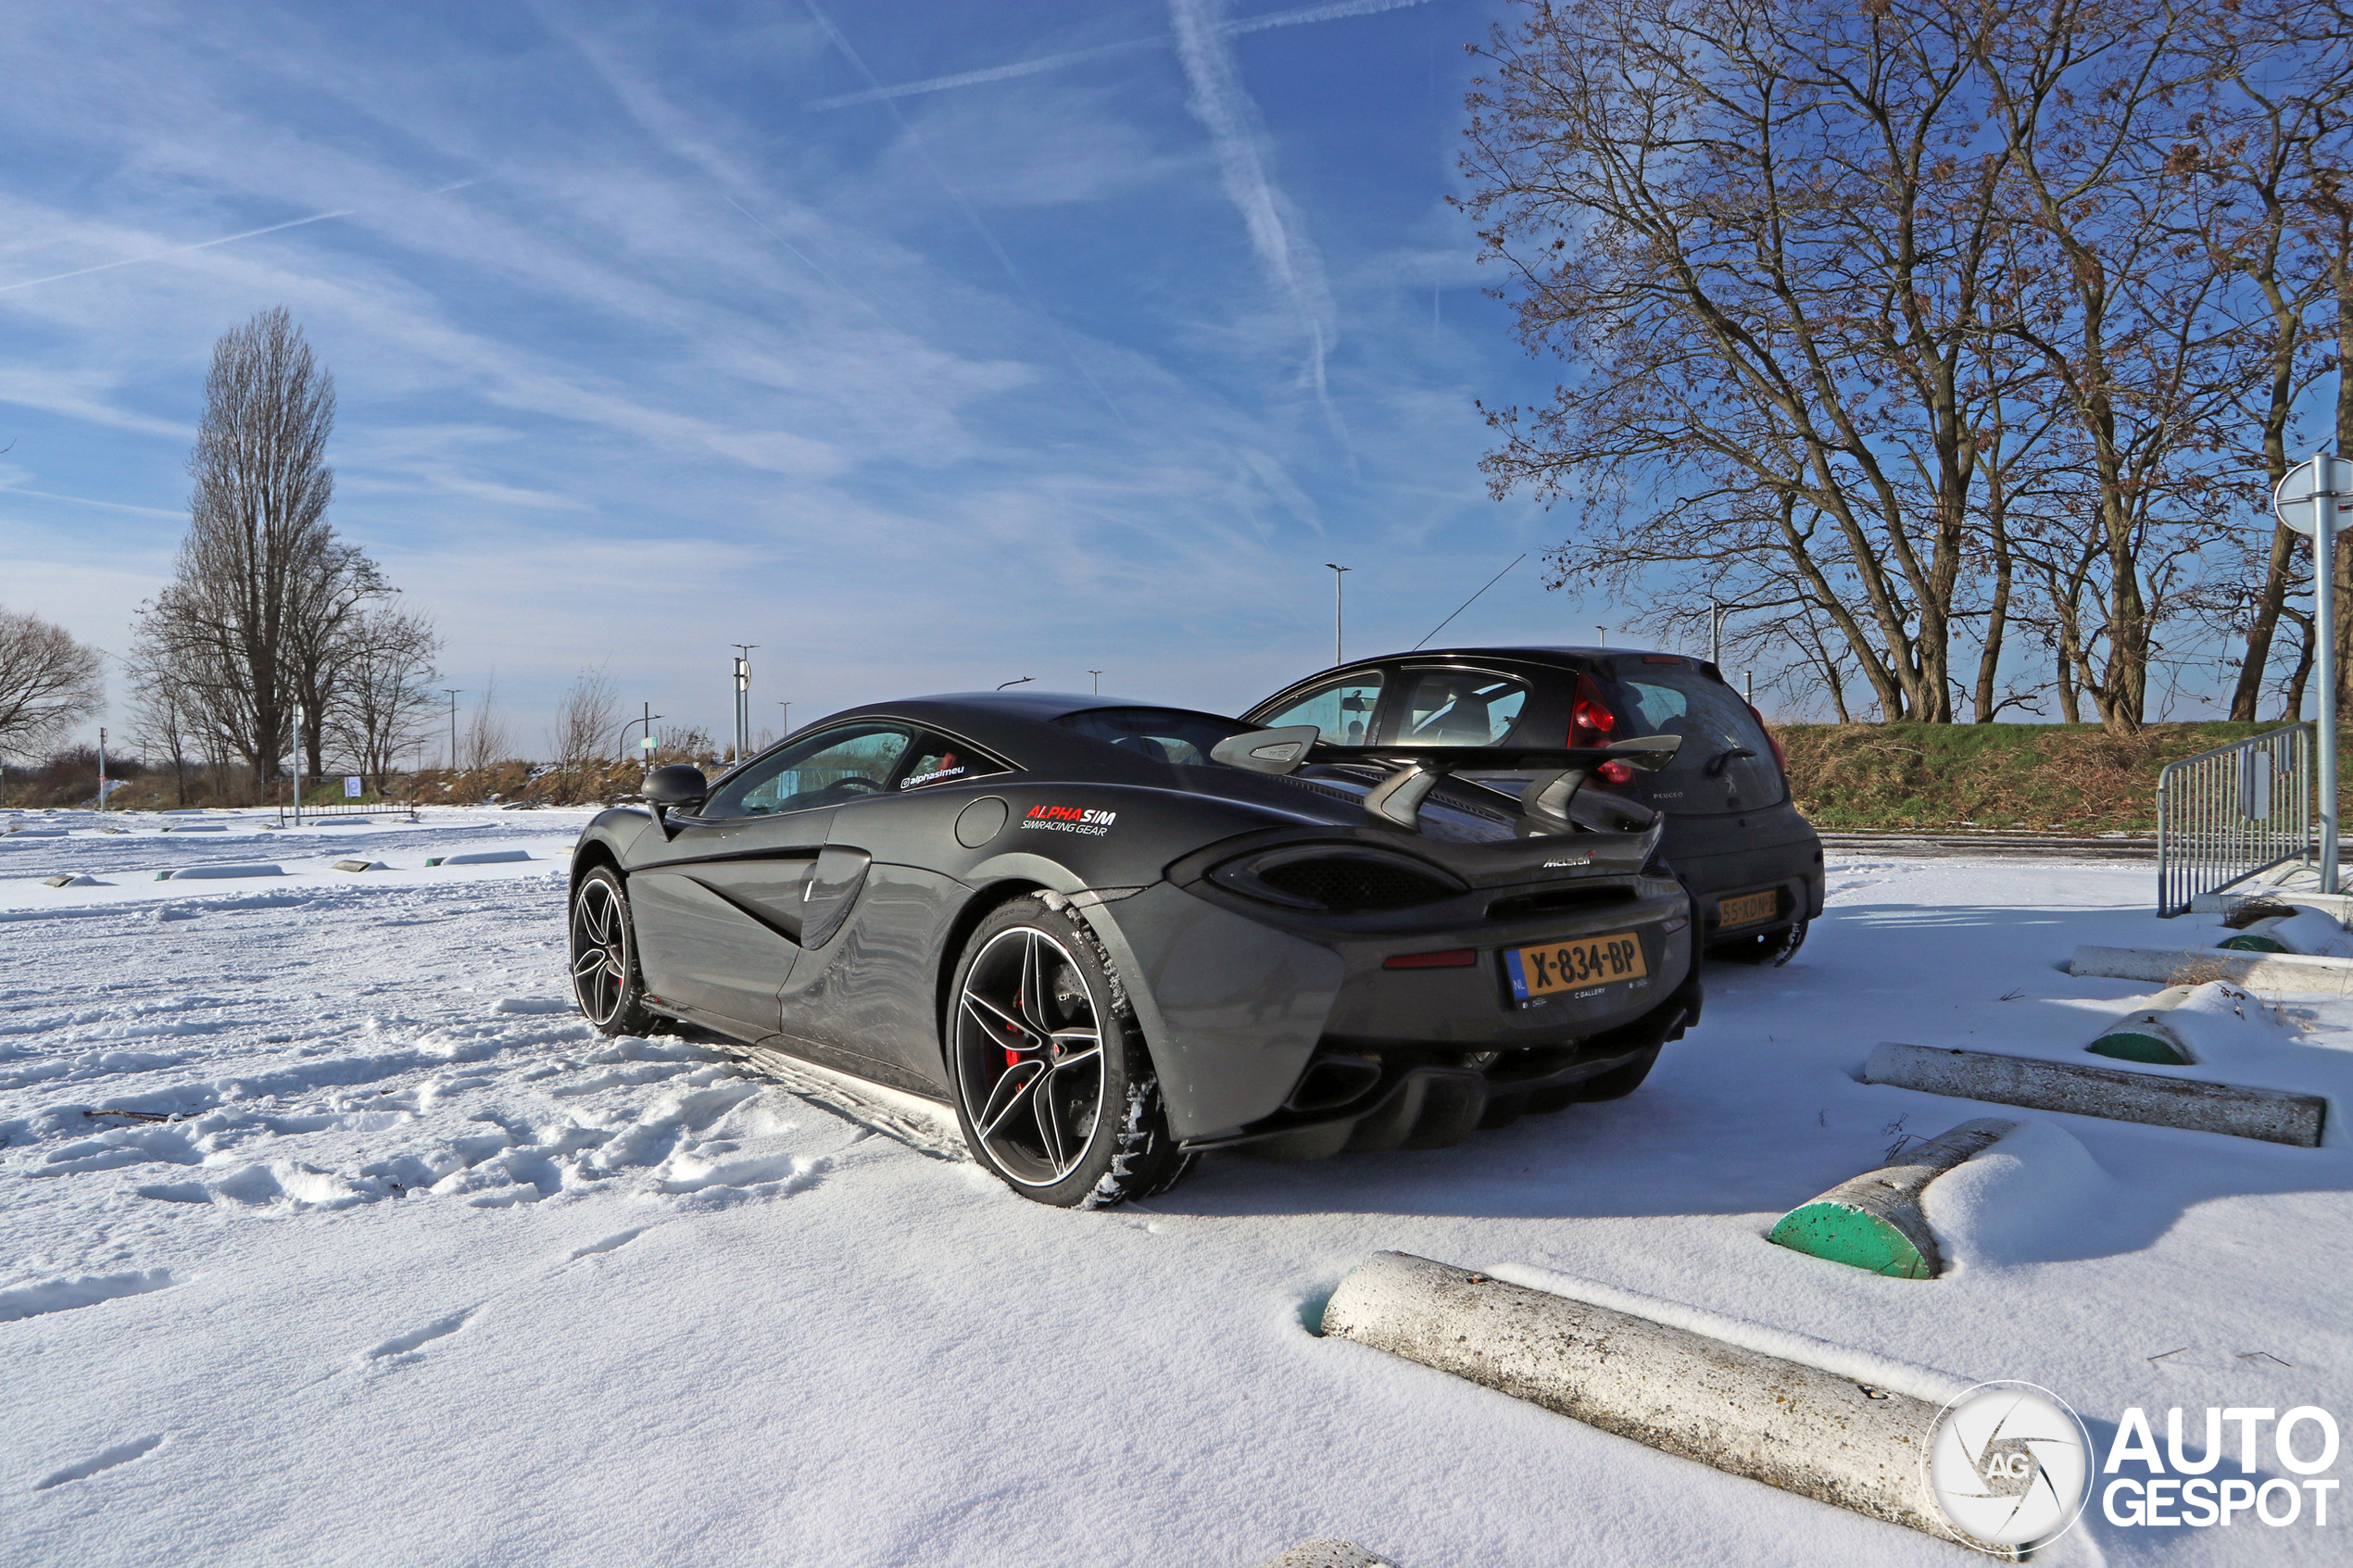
(329, 606)
(48, 683)
(487, 740)
(383, 697)
(261, 581)
(1769, 241)
(1929, 322)
(585, 720)
(162, 721)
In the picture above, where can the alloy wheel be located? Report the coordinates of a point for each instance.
(1029, 1058)
(599, 951)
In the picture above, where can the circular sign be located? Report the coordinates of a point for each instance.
(2295, 499)
(2009, 1465)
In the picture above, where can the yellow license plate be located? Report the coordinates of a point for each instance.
(1575, 965)
(1746, 910)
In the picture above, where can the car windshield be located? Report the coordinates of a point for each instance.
(1160, 735)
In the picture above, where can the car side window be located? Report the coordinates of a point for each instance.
(824, 769)
(937, 760)
(1342, 710)
(1456, 707)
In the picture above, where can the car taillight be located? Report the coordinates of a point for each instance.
(1453, 958)
(1614, 772)
(1590, 720)
(1338, 879)
(1772, 739)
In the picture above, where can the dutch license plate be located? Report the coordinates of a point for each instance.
(1575, 965)
(1747, 909)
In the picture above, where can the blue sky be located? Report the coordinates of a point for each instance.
(657, 329)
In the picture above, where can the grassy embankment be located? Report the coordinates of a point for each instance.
(2068, 778)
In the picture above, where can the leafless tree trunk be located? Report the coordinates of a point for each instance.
(320, 646)
(383, 696)
(161, 723)
(487, 740)
(586, 721)
(48, 684)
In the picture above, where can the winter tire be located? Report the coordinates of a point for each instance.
(1774, 948)
(1053, 1088)
(605, 981)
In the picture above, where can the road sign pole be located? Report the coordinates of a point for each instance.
(2328, 488)
(2326, 483)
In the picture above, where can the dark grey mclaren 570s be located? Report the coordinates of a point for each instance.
(1114, 935)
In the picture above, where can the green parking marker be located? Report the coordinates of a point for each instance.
(1875, 1222)
(2144, 1046)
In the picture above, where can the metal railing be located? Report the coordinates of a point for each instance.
(2227, 814)
(289, 815)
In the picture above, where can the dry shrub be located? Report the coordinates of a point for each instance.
(2202, 971)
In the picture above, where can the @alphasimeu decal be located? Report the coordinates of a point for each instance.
(2009, 1465)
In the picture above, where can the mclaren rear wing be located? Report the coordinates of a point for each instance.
(1415, 770)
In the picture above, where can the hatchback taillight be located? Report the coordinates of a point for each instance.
(1590, 720)
(1772, 739)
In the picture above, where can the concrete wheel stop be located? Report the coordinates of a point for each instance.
(1801, 1428)
(2113, 1094)
(2292, 972)
(1874, 1221)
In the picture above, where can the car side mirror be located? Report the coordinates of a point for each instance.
(680, 784)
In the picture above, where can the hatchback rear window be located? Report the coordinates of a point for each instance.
(1726, 762)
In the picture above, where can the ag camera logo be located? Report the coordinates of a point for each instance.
(2009, 1465)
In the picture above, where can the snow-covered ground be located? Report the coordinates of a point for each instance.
(400, 1263)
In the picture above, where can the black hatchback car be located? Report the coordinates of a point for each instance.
(1753, 864)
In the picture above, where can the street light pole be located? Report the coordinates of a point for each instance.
(787, 708)
(742, 696)
(1098, 681)
(453, 692)
(645, 747)
(1338, 571)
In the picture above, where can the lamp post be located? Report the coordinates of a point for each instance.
(1338, 571)
(742, 696)
(1098, 681)
(787, 708)
(101, 767)
(1022, 681)
(645, 745)
(452, 693)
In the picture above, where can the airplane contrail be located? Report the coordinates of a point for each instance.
(1332, 10)
(224, 239)
(972, 214)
